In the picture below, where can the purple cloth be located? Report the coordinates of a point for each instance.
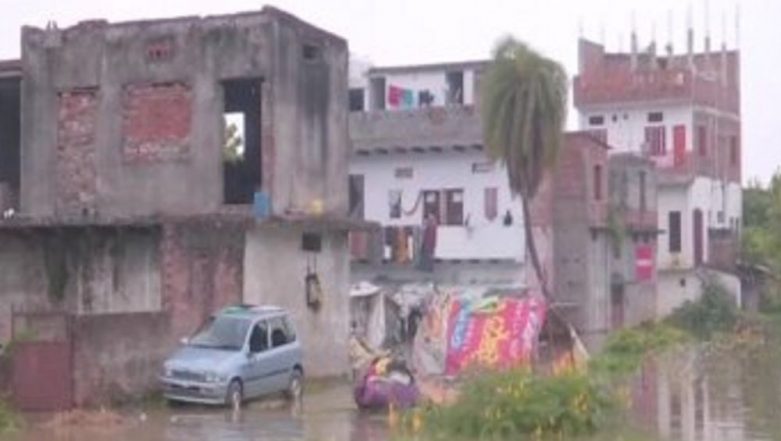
(379, 394)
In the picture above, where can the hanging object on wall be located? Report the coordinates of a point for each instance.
(314, 291)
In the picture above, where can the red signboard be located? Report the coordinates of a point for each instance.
(644, 262)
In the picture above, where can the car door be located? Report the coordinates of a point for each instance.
(258, 370)
(280, 355)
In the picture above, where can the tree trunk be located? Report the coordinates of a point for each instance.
(532, 246)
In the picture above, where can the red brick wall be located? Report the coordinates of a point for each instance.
(156, 122)
(202, 272)
(75, 170)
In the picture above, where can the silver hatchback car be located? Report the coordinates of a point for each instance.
(241, 352)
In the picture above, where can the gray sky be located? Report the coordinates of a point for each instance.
(421, 31)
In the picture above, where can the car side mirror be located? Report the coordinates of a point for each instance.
(184, 341)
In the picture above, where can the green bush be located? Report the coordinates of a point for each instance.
(9, 419)
(714, 312)
(625, 350)
(511, 404)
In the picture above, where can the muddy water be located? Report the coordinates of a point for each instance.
(691, 396)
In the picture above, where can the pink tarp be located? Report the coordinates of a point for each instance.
(496, 333)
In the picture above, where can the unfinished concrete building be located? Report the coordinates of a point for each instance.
(126, 212)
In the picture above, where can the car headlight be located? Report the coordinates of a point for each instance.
(213, 377)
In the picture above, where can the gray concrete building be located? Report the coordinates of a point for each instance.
(121, 198)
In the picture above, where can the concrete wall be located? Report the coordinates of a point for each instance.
(503, 273)
(483, 238)
(626, 123)
(117, 357)
(275, 270)
(202, 271)
(23, 282)
(126, 119)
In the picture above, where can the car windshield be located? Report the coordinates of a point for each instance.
(222, 332)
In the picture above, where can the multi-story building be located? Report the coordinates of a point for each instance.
(683, 113)
(418, 153)
(125, 211)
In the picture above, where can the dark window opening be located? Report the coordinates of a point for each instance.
(734, 150)
(377, 91)
(242, 158)
(702, 140)
(642, 192)
(454, 210)
(455, 87)
(674, 231)
(656, 140)
(655, 117)
(10, 147)
(310, 52)
(598, 120)
(258, 340)
(403, 172)
(425, 98)
(356, 99)
(312, 242)
(699, 240)
(394, 204)
(356, 196)
(598, 182)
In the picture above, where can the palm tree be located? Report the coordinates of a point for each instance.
(524, 107)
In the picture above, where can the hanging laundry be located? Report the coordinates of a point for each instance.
(400, 246)
(409, 98)
(395, 96)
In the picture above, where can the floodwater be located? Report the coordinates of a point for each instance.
(690, 396)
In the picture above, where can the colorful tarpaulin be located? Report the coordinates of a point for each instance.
(496, 333)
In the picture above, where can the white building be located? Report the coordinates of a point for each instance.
(417, 150)
(682, 112)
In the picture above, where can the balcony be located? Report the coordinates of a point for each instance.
(415, 129)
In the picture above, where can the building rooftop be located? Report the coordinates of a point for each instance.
(457, 65)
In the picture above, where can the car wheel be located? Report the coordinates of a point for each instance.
(295, 389)
(234, 397)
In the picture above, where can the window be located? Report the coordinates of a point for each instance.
(356, 99)
(642, 192)
(655, 140)
(258, 340)
(598, 182)
(377, 91)
(425, 98)
(655, 117)
(356, 196)
(455, 87)
(454, 207)
(482, 167)
(394, 204)
(734, 150)
(403, 172)
(490, 204)
(674, 231)
(597, 120)
(279, 333)
(310, 52)
(702, 141)
(241, 153)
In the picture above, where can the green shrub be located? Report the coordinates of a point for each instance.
(625, 350)
(714, 312)
(517, 403)
(9, 419)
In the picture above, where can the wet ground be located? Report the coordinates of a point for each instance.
(325, 415)
(733, 396)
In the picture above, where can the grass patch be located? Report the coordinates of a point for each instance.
(10, 420)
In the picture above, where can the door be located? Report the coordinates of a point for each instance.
(679, 145)
(258, 370)
(280, 357)
(698, 237)
(617, 306)
(431, 205)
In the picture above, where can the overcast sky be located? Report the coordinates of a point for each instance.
(422, 31)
